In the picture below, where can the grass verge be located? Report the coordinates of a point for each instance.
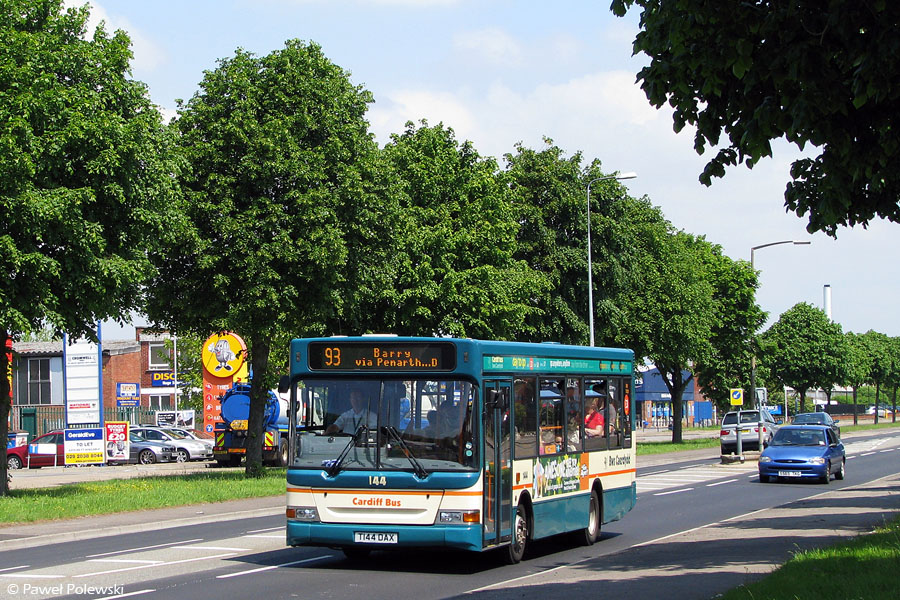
(123, 495)
(647, 448)
(864, 567)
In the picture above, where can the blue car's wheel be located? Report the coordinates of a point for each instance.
(826, 478)
(840, 472)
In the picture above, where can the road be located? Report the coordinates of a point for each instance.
(699, 528)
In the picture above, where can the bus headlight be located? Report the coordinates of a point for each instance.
(458, 517)
(302, 513)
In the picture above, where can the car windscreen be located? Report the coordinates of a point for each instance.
(809, 419)
(799, 437)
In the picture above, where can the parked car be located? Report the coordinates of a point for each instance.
(883, 411)
(186, 448)
(195, 434)
(749, 420)
(803, 452)
(20, 458)
(146, 452)
(818, 418)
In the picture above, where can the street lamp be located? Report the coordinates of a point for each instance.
(758, 402)
(629, 175)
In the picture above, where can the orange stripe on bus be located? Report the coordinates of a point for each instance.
(384, 492)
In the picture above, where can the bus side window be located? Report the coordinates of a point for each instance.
(614, 414)
(574, 415)
(525, 416)
(552, 416)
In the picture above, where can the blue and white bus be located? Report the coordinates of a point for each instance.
(460, 443)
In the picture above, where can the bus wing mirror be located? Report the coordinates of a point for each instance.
(284, 384)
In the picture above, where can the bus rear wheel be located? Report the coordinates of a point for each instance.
(516, 549)
(590, 534)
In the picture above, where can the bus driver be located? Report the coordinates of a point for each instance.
(354, 418)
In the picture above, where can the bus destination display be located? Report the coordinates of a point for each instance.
(384, 356)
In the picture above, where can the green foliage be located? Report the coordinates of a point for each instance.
(817, 73)
(87, 190)
(289, 205)
(549, 195)
(804, 349)
(459, 275)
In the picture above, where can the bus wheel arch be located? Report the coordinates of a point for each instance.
(590, 534)
(521, 531)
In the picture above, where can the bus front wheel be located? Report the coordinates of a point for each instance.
(516, 549)
(591, 533)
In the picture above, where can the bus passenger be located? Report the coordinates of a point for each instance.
(354, 418)
(593, 420)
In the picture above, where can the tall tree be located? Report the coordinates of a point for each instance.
(878, 348)
(858, 366)
(549, 194)
(87, 188)
(803, 349)
(737, 320)
(291, 209)
(824, 74)
(459, 275)
(668, 313)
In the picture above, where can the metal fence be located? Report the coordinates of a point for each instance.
(38, 420)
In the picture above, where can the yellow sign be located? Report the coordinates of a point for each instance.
(239, 425)
(223, 354)
(737, 396)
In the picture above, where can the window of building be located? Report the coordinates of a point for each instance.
(39, 381)
(159, 357)
(161, 402)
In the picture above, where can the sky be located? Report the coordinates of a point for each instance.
(502, 72)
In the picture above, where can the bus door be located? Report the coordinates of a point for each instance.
(497, 509)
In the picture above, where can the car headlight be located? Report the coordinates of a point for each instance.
(818, 460)
(765, 459)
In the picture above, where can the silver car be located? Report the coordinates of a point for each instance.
(749, 420)
(144, 451)
(185, 448)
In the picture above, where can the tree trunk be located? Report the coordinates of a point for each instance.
(5, 407)
(259, 360)
(877, 389)
(855, 408)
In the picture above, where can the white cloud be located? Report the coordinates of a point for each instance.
(148, 55)
(493, 45)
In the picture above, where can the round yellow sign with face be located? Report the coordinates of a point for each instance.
(223, 354)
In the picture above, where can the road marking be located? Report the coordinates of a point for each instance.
(144, 548)
(14, 568)
(282, 528)
(137, 593)
(127, 560)
(162, 564)
(24, 575)
(268, 537)
(271, 567)
(216, 548)
(673, 492)
(721, 482)
(867, 454)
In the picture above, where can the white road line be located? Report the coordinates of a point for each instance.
(163, 564)
(867, 454)
(673, 492)
(216, 548)
(126, 560)
(31, 576)
(144, 548)
(267, 537)
(720, 482)
(282, 528)
(271, 567)
(137, 593)
(14, 568)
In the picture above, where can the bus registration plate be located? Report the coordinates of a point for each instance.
(374, 538)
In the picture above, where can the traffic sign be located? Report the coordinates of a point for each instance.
(737, 396)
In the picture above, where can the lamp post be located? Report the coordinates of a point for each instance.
(758, 403)
(629, 175)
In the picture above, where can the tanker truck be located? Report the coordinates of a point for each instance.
(231, 433)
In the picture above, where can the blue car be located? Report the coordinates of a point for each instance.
(803, 452)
